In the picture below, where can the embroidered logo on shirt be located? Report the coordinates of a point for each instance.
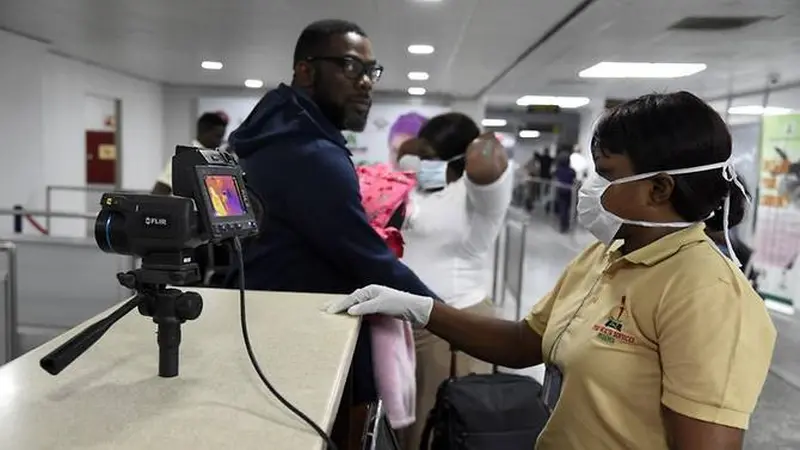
(611, 330)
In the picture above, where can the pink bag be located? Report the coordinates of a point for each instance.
(383, 192)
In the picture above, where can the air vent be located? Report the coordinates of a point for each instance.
(715, 23)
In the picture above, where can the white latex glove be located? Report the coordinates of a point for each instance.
(387, 301)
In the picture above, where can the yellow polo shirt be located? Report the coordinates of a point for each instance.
(673, 323)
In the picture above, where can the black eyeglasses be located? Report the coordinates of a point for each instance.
(354, 68)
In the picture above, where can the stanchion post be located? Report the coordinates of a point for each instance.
(18, 219)
(496, 276)
(10, 306)
(48, 199)
(573, 207)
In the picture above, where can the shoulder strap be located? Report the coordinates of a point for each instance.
(425, 440)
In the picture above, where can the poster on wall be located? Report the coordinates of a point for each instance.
(389, 125)
(777, 256)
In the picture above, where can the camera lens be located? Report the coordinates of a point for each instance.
(110, 234)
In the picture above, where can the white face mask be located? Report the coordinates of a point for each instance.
(431, 173)
(605, 225)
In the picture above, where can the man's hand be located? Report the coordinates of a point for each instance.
(486, 160)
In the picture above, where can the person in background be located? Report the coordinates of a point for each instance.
(565, 176)
(652, 339)
(533, 187)
(316, 236)
(210, 133)
(545, 163)
(465, 185)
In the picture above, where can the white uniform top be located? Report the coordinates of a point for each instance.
(449, 236)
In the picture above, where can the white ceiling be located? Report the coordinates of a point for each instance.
(637, 30)
(165, 40)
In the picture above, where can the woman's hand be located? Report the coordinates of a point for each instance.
(486, 160)
(387, 301)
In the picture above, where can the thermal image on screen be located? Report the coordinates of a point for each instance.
(224, 196)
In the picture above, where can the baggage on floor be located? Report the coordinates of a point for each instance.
(497, 411)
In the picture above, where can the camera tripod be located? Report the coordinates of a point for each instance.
(168, 307)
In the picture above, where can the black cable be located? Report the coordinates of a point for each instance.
(243, 314)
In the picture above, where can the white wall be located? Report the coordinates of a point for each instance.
(44, 130)
(237, 108)
(180, 106)
(21, 121)
(96, 111)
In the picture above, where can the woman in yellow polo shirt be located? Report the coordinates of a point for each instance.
(653, 339)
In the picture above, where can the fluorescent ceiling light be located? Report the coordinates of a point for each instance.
(549, 100)
(758, 110)
(254, 84)
(420, 49)
(607, 69)
(529, 134)
(211, 65)
(416, 91)
(418, 76)
(494, 122)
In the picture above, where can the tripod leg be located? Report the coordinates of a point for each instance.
(169, 339)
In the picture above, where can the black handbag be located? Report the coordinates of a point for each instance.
(497, 411)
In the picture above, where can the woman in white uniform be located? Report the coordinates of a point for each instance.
(453, 220)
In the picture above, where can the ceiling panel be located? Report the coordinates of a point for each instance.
(628, 30)
(165, 40)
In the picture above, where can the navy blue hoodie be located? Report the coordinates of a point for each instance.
(315, 236)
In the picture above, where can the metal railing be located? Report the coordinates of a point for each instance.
(19, 213)
(45, 213)
(10, 306)
(509, 260)
(48, 196)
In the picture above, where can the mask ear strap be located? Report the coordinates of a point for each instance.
(726, 210)
(729, 174)
(457, 157)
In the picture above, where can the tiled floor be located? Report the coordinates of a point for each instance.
(776, 422)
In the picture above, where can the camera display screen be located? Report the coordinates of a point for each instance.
(223, 191)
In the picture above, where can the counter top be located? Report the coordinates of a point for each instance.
(111, 397)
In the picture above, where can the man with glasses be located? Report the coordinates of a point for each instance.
(315, 236)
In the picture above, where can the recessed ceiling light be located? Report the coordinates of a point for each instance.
(529, 134)
(254, 84)
(758, 110)
(607, 69)
(211, 65)
(417, 91)
(549, 100)
(494, 122)
(420, 49)
(418, 76)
